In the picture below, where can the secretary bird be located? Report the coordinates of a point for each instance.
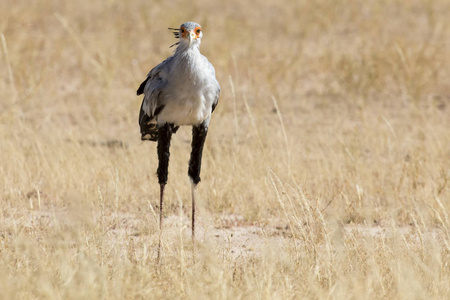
(182, 90)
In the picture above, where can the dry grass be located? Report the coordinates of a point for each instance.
(326, 170)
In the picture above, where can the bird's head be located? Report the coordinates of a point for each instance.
(189, 33)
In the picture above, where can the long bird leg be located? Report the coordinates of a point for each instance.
(161, 218)
(193, 192)
(195, 163)
(164, 136)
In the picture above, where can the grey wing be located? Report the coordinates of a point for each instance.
(216, 99)
(216, 87)
(153, 90)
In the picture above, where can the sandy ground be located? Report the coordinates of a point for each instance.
(230, 234)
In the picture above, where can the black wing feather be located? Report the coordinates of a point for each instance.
(141, 88)
(214, 106)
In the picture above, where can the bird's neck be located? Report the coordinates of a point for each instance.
(189, 62)
(184, 48)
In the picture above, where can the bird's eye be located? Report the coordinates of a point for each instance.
(182, 30)
(198, 31)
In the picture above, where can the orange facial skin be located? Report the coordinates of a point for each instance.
(185, 33)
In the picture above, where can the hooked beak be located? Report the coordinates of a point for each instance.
(191, 37)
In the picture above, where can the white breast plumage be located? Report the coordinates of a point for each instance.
(190, 95)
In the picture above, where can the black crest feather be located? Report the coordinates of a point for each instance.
(176, 33)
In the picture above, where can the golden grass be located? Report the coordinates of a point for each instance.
(325, 172)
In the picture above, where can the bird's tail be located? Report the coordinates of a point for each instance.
(149, 132)
(149, 125)
(149, 128)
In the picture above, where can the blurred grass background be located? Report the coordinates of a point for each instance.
(332, 114)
